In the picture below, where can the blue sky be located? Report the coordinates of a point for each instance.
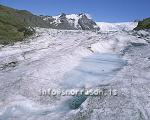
(100, 10)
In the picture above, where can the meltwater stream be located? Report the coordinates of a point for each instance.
(91, 72)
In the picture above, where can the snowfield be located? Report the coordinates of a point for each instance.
(75, 59)
(117, 26)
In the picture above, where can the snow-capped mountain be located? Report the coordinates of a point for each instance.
(71, 22)
(127, 26)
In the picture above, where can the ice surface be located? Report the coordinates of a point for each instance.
(61, 59)
(92, 70)
(104, 26)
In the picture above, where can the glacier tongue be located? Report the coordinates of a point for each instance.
(66, 59)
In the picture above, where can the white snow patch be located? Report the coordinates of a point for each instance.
(116, 26)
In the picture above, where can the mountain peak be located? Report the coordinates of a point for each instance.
(62, 15)
(80, 21)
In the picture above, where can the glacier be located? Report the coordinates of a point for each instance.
(113, 58)
(127, 26)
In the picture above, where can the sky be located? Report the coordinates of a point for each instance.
(100, 10)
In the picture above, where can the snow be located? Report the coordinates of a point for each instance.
(68, 59)
(104, 26)
(92, 70)
(72, 18)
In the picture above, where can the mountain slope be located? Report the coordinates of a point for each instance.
(144, 24)
(14, 24)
